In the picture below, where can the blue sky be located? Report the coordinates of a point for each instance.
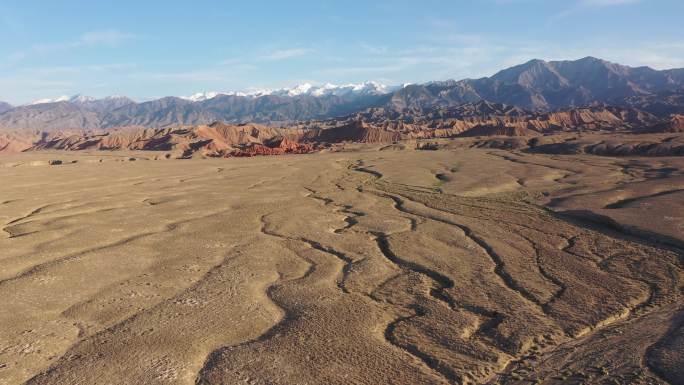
(149, 49)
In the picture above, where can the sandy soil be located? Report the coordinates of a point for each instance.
(372, 266)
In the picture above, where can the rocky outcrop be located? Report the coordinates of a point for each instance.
(11, 144)
(672, 125)
(216, 139)
(277, 146)
(13, 141)
(220, 139)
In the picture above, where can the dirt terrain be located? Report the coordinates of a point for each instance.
(377, 264)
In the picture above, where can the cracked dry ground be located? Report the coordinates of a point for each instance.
(362, 267)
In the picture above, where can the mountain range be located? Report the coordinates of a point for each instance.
(377, 125)
(365, 88)
(542, 85)
(536, 85)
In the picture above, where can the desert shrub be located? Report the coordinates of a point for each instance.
(428, 146)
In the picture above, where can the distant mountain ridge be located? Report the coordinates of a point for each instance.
(536, 85)
(365, 88)
(542, 85)
(4, 107)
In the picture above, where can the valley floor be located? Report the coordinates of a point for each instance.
(369, 266)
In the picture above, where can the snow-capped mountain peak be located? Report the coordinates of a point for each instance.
(369, 88)
(115, 97)
(300, 89)
(202, 96)
(325, 88)
(304, 89)
(108, 103)
(63, 98)
(78, 98)
(365, 88)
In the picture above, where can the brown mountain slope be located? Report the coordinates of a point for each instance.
(18, 140)
(51, 117)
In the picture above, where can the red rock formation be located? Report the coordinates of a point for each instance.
(10, 143)
(13, 141)
(674, 124)
(216, 139)
(373, 126)
(278, 146)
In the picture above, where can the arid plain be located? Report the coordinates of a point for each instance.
(376, 264)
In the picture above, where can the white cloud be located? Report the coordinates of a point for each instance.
(373, 49)
(202, 75)
(31, 83)
(110, 37)
(287, 53)
(605, 3)
(67, 70)
(437, 55)
(581, 5)
(362, 71)
(9, 20)
(88, 39)
(473, 58)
